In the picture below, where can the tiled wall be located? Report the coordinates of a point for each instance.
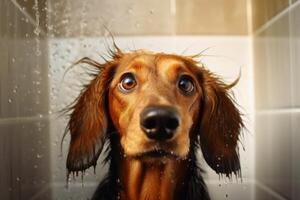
(28, 163)
(276, 77)
(74, 18)
(24, 100)
(264, 10)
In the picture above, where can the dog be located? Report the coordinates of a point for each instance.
(154, 111)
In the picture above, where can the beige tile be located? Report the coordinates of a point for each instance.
(24, 79)
(13, 23)
(5, 167)
(274, 152)
(272, 66)
(295, 155)
(295, 42)
(231, 190)
(260, 71)
(79, 18)
(36, 9)
(206, 17)
(24, 68)
(76, 190)
(264, 10)
(262, 194)
(25, 152)
(16, 24)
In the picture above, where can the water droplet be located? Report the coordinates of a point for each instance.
(18, 179)
(37, 31)
(35, 166)
(226, 196)
(40, 116)
(9, 100)
(137, 25)
(38, 52)
(13, 60)
(50, 27)
(151, 12)
(37, 72)
(130, 11)
(39, 156)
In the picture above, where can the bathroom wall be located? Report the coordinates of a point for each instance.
(276, 53)
(24, 105)
(39, 41)
(169, 26)
(73, 18)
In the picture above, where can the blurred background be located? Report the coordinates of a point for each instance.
(40, 39)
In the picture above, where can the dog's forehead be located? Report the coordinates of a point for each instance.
(151, 61)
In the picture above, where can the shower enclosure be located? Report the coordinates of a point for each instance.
(41, 39)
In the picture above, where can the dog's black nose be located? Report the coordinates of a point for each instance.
(159, 122)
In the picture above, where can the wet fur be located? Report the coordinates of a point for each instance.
(216, 131)
(194, 187)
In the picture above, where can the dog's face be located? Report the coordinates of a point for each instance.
(153, 102)
(162, 106)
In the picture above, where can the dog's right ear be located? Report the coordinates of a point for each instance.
(88, 121)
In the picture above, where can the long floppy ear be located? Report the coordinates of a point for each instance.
(220, 126)
(89, 121)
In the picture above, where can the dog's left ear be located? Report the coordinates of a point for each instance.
(220, 125)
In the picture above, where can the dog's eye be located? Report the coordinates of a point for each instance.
(186, 85)
(127, 82)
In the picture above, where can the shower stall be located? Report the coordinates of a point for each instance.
(41, 39)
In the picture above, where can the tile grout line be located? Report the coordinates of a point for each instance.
(278, 111)
(24, 119)
(275, 18)
(291, 55)
(252, 95)
(249, 17)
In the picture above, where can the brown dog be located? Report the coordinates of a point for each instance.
(155, 110)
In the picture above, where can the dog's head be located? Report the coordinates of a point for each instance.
(161, 106)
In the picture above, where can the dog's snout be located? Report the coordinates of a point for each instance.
(159, 122)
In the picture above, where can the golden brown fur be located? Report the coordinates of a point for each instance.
(207, 118)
